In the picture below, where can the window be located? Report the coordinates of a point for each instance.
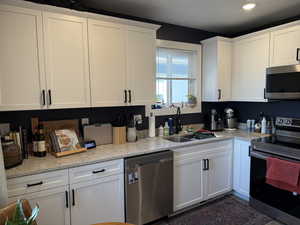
(176, 77)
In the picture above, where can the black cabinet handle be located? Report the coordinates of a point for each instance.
(204, 164)
(219, 94)
(43, 97)
(125, 97)
(129, 91)
(99, 171)
(50, 97)
(35, 184)
(207, 164)
(67, 199)
(249, 151)
(73, 197)
(264, 93)
(297, 57)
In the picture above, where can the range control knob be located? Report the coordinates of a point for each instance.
(288, 122)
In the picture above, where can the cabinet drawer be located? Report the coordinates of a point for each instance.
(190, 151)
(91, 172)
(35, 183)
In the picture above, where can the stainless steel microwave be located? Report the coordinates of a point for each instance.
(283, 82)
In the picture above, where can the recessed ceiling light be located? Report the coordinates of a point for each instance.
(249, 6)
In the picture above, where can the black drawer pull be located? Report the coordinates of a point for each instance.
(125, 97)
(50, 97)
(67, 199)
(44, 98)
(35, 184)
(99, 171)
(297, 57)
(129, 91)
(73, 197)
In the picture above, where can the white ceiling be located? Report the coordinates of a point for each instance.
(222, 16)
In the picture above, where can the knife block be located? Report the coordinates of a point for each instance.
(119, 135)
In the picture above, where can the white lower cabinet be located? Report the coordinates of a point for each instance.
(95, 194)
(188, 180)
(202, 172)
(219, 173)
(98, 201)
(53, 204)
(241, 165)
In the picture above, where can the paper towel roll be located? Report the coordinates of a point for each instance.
(3, 185)
(151, 125)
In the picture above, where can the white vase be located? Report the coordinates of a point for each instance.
(3, 185)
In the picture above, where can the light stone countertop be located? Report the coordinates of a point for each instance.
(102, 153)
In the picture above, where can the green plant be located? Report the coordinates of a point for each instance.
(192, 98)
(19, 217)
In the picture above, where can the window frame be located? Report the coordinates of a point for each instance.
(196, 48)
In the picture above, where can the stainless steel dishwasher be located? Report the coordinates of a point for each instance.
(148, 187)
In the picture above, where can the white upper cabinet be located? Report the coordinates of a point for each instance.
(140, 66)
(66, 54)
(21, 59)
(107, 51)
(285, 46)
(216, 67)
(250, 60)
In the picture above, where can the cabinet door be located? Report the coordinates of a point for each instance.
(251, 58)
(54, 208)
(66, 54)
(188, 181)
(219, 173)
(21, 59)
(210, 71)
(284, 45)
(224, 70)
(241, 167)
(98, 201)
(141, 66)
(107, 50)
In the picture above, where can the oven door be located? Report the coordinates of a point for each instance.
(279, 204)
(283, 82)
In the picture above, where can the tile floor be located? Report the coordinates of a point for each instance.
(228, 210)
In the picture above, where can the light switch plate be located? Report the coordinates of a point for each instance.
(85, 121)
(4, 129)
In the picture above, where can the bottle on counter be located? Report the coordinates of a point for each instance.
(264, 125)
(41, 142)
(171, 126)
(161, 131)
(35, 142)
(166, 129)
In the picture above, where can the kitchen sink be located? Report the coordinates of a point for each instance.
(179, 138)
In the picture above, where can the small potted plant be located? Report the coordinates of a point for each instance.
(19, 217)
(192, 101)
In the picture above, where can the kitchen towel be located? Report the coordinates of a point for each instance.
(283, 174)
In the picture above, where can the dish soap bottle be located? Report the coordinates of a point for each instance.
(166, 129)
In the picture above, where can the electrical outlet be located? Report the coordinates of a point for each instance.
(85, 121)
(138, 118)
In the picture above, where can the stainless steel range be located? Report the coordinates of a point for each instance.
(280, 204)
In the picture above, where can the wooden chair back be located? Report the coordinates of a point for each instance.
(9, 211)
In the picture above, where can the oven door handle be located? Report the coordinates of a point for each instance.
(264, 156)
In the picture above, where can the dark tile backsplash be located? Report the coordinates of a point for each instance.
(251, 110)
(95, 115)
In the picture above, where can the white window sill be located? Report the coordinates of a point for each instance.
(173, 111)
